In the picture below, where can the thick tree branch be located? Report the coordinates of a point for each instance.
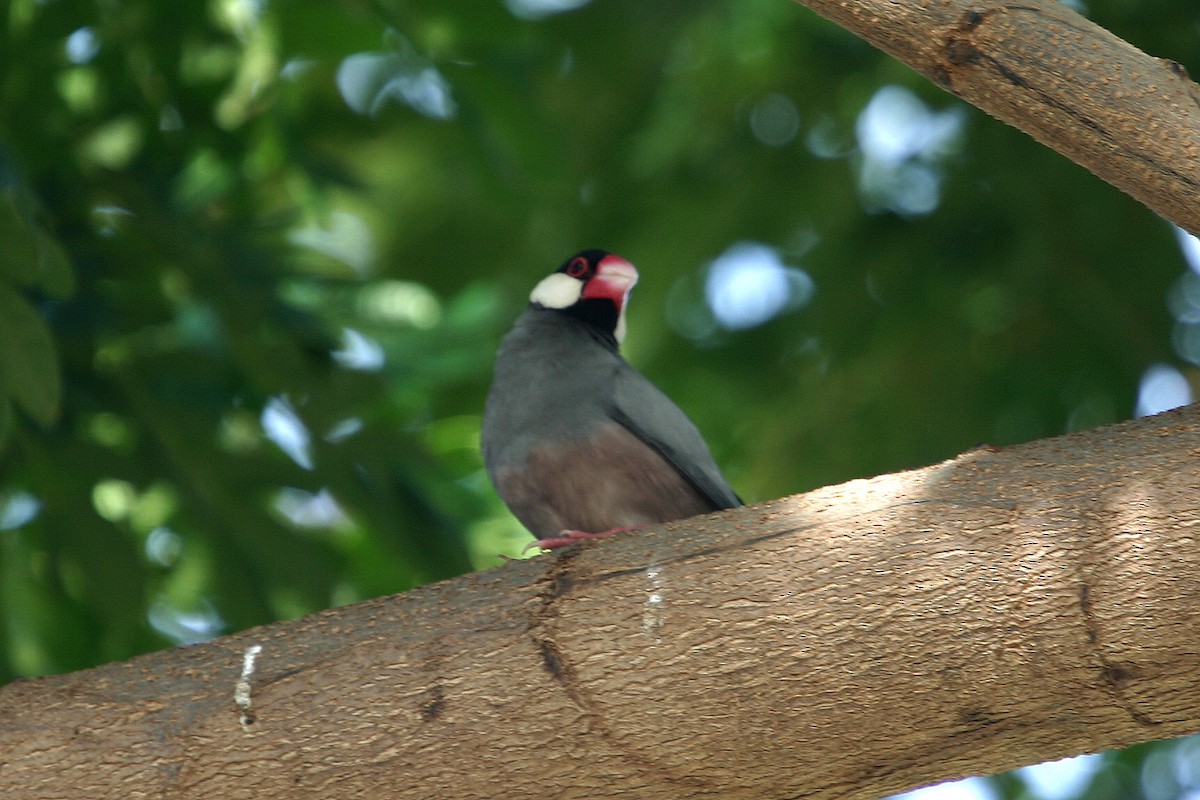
(1004, 607)
(1131, 119)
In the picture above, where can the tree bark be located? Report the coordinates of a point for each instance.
(1004, 607)
(1131, 119)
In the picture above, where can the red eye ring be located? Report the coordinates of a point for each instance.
(578, 267)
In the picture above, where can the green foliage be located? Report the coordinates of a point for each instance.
(221, 217)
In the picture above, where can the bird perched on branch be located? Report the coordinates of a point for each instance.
(576, 441)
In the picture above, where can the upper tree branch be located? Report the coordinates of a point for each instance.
(1131, 119)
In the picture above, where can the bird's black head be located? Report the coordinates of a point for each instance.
(592, 286)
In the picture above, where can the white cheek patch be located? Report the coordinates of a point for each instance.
(557, 291)
(619, 333)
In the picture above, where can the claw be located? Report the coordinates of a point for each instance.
(568, 537)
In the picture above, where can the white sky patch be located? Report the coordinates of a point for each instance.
(17, 509)
(82, 45)
(184, 627)
(344, 429)
(1190, 246)
(906, 188)
(901, 140)
(1062, 779)
(1162, 388)
(1184, 302)
(310, 509)
(283, 426)
(1184, 298)
(359, 352)
(536, 9)
(370, 81)
(749, 284)
(966, 789)
(896, 126)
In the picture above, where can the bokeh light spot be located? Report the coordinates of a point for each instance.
(283, 426)
(774, 120)
(1162, 388)
(749, 284)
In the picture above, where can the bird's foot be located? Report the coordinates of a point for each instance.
(567, 537)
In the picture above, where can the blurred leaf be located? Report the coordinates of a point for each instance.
(54, 267)
(28, 363)
(6, 419)
(19, 255)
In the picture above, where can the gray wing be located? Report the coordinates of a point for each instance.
(652, 417)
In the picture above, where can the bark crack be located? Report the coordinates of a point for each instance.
(962, 48)
(555, 585)
(1114, 676)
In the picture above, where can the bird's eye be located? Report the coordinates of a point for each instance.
(577, 267)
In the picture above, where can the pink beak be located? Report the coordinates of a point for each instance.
(614, 279)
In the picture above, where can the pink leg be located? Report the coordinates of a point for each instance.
(567, 537)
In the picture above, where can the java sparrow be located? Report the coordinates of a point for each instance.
(577, 442)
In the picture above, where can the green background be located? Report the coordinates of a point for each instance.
(203, 206)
